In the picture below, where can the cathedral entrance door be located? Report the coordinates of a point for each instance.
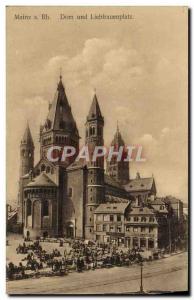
(70, 230)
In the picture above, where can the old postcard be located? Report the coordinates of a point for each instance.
(97, 150)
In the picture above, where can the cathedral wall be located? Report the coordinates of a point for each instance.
(40, 213)
(74, 203)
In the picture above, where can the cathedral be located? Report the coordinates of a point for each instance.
(61, 198)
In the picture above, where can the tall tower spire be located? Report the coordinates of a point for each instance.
(26, 152)
(60, 128)
(94, 130)
(95, 184)
(119, 170)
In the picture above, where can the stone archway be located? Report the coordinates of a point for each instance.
(70, 230)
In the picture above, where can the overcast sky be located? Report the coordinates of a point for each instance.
(138, 68)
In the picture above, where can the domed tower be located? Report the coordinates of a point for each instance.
(95, 184)
(60, 127)
(119, 170)
(40, 207)
(26, 152)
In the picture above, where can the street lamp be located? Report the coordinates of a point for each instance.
(141, 278)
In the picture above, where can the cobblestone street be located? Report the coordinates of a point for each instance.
(170, 271)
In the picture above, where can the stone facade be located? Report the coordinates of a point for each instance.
(69, 198)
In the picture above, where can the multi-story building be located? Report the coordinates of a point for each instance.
(109, 222)
(141, 228)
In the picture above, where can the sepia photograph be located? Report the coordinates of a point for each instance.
(97, 180)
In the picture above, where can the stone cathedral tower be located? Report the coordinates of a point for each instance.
(26, 152)
(60, 128)
(119, 170)
(95, 184)
(26, 166)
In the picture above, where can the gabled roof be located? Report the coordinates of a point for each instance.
(60, 116)
(139, 184)
(27, 137)
(157, 201)
(41, 180)
(114, 199)
(94, 112)
(46, 162)
(112, 208)
(141, 211)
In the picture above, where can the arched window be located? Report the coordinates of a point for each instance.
(48, 169)
(90, 130)
(23, 153)
(42, 168)
(70, 192)
(57, 139)
(29, 207)
(45, 208)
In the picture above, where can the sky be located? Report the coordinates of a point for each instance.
(137, 66)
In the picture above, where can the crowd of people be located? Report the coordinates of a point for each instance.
(78, 256)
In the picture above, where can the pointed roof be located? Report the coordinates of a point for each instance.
(118, 140)
(112, 208)
(94, 112)
(27, 137)
(140, 184)
(60, 116)
(41, 180)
